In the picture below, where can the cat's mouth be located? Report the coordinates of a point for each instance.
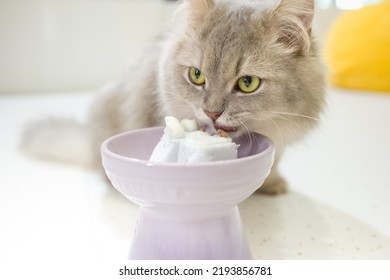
(225, 128)
(233, 131)
(212, 128)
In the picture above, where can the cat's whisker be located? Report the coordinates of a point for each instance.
(160, 102)
(281, 137)
(279, 132)
(293, 115)
(248, 132)
(294, 123)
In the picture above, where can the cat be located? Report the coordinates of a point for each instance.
(242, 66)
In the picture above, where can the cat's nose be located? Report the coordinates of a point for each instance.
(213, 115)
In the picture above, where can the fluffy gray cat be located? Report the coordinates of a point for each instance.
(243, 66)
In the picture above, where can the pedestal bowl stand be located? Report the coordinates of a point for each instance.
(187, 211)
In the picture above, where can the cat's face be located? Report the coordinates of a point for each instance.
(234, 69)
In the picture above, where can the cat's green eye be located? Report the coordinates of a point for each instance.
(248, 84)
(196, 76)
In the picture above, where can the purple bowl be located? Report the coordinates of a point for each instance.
(172, 195)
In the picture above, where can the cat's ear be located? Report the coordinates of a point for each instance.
(294, 22)
(197, 9)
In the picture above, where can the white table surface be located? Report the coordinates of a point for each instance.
(337, 208)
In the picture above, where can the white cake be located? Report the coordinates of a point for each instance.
(182, 142)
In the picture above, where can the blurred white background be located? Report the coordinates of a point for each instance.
(65, 45)
(72, 45)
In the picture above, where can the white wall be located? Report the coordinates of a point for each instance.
(323, 21)
(59, 45)
(55, 45)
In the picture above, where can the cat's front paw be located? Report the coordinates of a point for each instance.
(274, 186)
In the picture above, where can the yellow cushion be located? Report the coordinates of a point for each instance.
(357, 50)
